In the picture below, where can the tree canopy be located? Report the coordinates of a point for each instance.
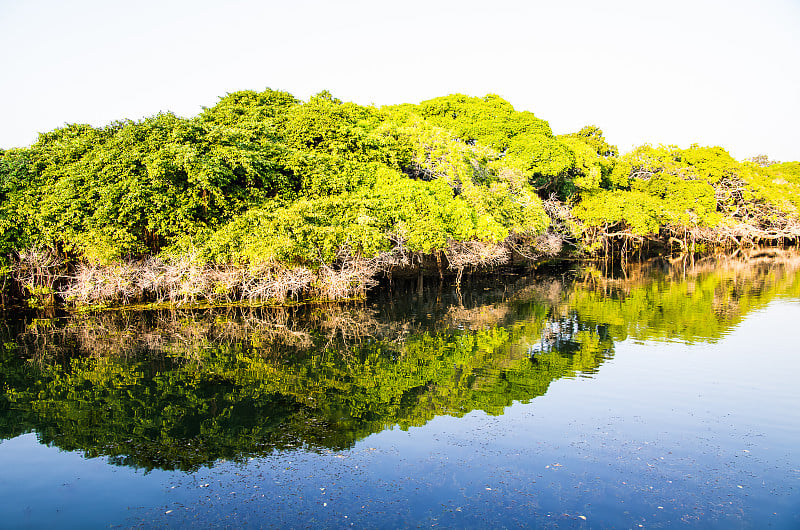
(262, 179)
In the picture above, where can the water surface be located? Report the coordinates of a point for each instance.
(663, 395)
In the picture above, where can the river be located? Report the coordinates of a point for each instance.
(661, 394)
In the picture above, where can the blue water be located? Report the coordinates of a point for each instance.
(702, 434)
(664, 435)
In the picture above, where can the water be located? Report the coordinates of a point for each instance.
(661, 397)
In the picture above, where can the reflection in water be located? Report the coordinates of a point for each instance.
(182, 389)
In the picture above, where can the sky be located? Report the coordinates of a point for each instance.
(709, 72)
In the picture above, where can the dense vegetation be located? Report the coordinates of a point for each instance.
(263, 196)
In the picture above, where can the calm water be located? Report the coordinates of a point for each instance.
(661, 396)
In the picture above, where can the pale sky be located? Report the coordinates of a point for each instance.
(712, 72)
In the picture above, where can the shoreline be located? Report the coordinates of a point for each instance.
(154, 285)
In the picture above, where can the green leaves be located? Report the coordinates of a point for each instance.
(264, 177)
(641, 212)
(490, 120)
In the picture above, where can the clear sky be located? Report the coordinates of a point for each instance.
(713, 72)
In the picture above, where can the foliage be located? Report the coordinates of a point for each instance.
(699, 187)
(421, 216)
(561, 165)
(779, 184)
(640, 211)
(489, 120)
(262, 178)
(261, 115)
(131, 188)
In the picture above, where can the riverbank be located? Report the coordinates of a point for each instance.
(189, 283)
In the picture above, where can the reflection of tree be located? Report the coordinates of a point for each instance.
(181, 389)
(583, 341)
(683, 299)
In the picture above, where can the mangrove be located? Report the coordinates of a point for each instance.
(264, 197)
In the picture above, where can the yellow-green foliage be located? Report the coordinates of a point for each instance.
(433, 152)
(561, 165)
(650, 205)
(263, 177)
(706, 163)
(588, 167)
(638, 210)
(778, 184)
(668, 186)
(422, 215)
(539, 156)
(489, 120)
(131, 188)
(684, 202)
